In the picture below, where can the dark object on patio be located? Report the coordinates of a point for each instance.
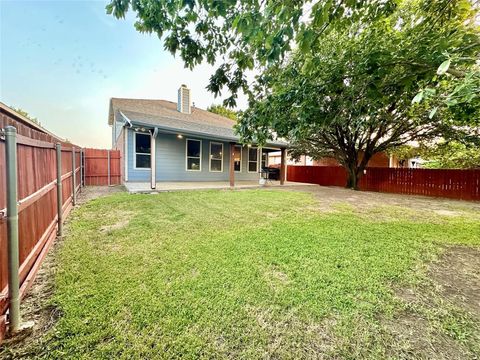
(271, 173)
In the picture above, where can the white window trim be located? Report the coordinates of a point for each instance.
(194, 157)
(241, 157)
(135, 151)
(248, 162)
(210, 157)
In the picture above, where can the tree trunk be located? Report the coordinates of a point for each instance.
(352, 178)
(355, 171)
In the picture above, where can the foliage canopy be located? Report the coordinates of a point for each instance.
(241, 35)
(371, 88)
(222, 110)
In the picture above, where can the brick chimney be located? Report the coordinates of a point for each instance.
(184, 101)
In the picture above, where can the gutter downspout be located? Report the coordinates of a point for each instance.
(128, 124)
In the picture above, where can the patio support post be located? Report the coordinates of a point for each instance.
(259, 162)
(125, 154)
(282, 166)
(153, 163)
(232, 165)
(74, 178)
(12, 228)
(58, 147)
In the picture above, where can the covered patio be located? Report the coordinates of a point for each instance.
(165, 186)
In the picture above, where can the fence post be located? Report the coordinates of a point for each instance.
(12, 229)
(84, 169)
(81, 169)
(59, 191)
(74, 180)
(108, 166)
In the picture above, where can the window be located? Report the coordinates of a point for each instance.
(252, 160)
(237, 158)
(194, 155)
(216, 157)
(142, 151)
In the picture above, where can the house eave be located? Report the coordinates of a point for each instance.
(183, 132)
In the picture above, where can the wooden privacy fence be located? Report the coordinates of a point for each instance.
(448, 183)
(102, 167)
(40, 186)
(40, 176)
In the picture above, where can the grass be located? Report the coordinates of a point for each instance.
(240, 274)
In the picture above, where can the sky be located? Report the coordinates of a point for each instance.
(61, 61)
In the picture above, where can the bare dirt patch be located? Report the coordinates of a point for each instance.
(413, 337)
(94, 192)
(458, 274)
(363, 201)
(452, 292)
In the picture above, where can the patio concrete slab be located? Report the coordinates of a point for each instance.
(144, 187)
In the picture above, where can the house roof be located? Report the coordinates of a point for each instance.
(164, 115)
(26, 121)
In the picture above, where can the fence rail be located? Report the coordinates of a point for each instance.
(102, 167)
(448, 183)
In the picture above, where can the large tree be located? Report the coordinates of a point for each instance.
(238, 36)
(375, 87)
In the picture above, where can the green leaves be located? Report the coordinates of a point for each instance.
(305, 40)
(418, 97)
(247, 34)
(443, 68)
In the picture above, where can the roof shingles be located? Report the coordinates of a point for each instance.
(164, 114)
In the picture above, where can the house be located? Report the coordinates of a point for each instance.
(161, 140)
(381, 159)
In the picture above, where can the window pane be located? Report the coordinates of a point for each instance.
(193, 148)
(143, 161)
(216, 165)
(215, 151)
(142, 143)
(252, 166)
(237, 156)
(252, 154)
(193, 164)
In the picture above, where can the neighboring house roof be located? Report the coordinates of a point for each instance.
(26, 121)
(164, 115)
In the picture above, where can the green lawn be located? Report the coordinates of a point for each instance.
(243, 274)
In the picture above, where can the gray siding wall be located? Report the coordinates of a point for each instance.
(171, 161)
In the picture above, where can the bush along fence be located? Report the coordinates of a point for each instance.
(39, 184)
(448, 183)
